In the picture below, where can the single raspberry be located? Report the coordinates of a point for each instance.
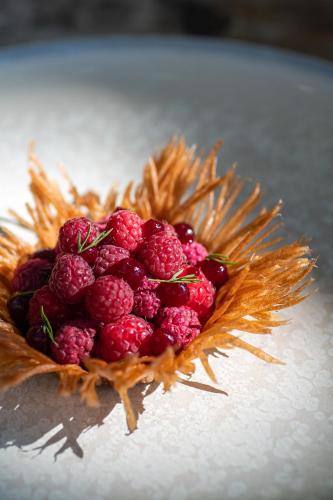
(31, 275)
(178, 326)
(70, 277)
(90, 256)
(126, 230)
(55, 310)
(148, 284)
(18, 307)
(173, 294)
(146, 303)
(108, 255)
(169, 229)
(185, 232)
(38, 339)
(162, 255)
(71, 345)
(127, 336)
(202, 293)
(78, 229)
(48, 254)
(109, 298)
(131, 270)
(194, 252)
(215, 272)
(88, 325)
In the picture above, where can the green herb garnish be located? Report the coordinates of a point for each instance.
(47, 327)
(188, 278)
(82, 246)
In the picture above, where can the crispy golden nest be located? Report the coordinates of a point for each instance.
(176, 186)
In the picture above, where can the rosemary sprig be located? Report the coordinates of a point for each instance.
(47, 327)
(28, 292)
(188, 278)
(82, 246)
(222, 259)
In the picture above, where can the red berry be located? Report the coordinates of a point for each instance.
(31, 275)
(72, 230)
(178, 326)
(54, 309)
(130, 270)
(194, 252)
(126, 230)
(48, 254)
(127, 336)
(202, 293)
(146, 303)
(109, 298)
(162, 255)
(72, 344)
(38, 339)
(173, 294)
(185, 232)
(160, 341)
(148, 284)
(90, 256)
(70, 277)
(18, 307)
(108, 255)
(152, 226)
(215, 272)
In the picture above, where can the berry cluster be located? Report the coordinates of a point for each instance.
(114, 288)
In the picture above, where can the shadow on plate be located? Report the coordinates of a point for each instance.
(32, 410)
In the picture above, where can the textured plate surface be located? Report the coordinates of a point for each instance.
(101, 107)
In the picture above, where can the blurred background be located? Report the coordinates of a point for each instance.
(302, 25)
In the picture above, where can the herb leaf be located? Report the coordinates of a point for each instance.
(82, 247)
(47, 327)
(188, 278)
(222, 259)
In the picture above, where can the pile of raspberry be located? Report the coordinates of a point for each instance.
(115, 288)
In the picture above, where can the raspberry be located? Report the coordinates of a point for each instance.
(109, 298)
(55, 310)
(71, 345)
(169, 229)
(108, 255)
(162, 255)
(126, 229)
(18, 307)
(70, 277)
(184, 232)
(129, 335)
(31, 275)
(215, 272)
(173, 294)
(88, 325)
(178, 326)
(48, 254)
(38, 339)
(146, 303)
(131, 271)
(147, 284)
(90, 256)
(194, 252)
(73, 229)
(202, 293)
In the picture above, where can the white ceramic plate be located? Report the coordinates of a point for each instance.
(101, 107)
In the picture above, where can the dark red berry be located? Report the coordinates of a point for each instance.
(48, 254)
(173, 294)
(90, 256)
(38, 339)
(185, 232)
(18, 307)
(130, 270)
(215, 272)
(151, 227)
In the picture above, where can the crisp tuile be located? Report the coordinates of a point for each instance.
(176, 185)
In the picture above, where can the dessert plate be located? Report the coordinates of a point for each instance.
(100, 107)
